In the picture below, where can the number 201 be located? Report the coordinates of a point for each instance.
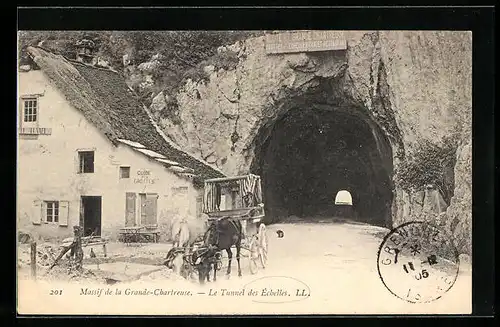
(55, 292)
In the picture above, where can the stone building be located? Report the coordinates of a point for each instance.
(89, 154)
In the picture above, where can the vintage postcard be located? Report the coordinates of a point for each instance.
(244, 172)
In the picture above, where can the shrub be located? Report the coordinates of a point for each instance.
(171, 111)
(429, 164)
(227, 60)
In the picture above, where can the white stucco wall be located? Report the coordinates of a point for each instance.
(48, 165)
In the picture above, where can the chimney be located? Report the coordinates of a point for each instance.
(85, 51)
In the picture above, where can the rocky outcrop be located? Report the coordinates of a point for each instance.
(459, 213)
(413, 85)
(221, 118)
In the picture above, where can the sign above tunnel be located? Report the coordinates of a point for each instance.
(305, 41)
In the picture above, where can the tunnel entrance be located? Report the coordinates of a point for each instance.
(343, 197)
(310, 154)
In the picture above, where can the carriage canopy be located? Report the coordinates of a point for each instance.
(232, 192)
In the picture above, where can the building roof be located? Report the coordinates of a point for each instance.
(107, 102)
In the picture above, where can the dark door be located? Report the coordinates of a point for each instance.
(91, 213)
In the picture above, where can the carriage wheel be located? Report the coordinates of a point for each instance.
(253, 247)
(263, 245)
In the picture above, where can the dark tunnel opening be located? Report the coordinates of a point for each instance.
(310, 155)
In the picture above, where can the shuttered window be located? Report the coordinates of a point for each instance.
(63, 213)
(50, 212)
(130, 199)
(36, 213)
(149, 207)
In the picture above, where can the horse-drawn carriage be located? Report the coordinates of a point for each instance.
(240, 198)
(235, 210)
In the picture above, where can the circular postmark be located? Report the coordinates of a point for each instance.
(417, 262)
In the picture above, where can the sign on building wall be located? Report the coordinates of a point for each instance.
(144, 176)
(305, 41)
(181, 191)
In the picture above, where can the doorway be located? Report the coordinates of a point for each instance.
(90, 211)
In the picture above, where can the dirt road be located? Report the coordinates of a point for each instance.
(338, 262)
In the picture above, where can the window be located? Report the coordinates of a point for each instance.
(30, 107)
(124, 172)
(29, 117)
(86, 159)
(52, 213)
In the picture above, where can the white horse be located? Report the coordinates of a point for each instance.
(180, 233)
(185, 232)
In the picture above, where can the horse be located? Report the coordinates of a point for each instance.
(221, 235)
(185, 233)
(174, 260)
(205, 259)
(180, 233)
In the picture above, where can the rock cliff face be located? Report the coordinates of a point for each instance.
(398, 88)
(458, 218)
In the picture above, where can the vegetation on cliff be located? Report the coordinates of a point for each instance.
(177, 55)
(430, 164)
